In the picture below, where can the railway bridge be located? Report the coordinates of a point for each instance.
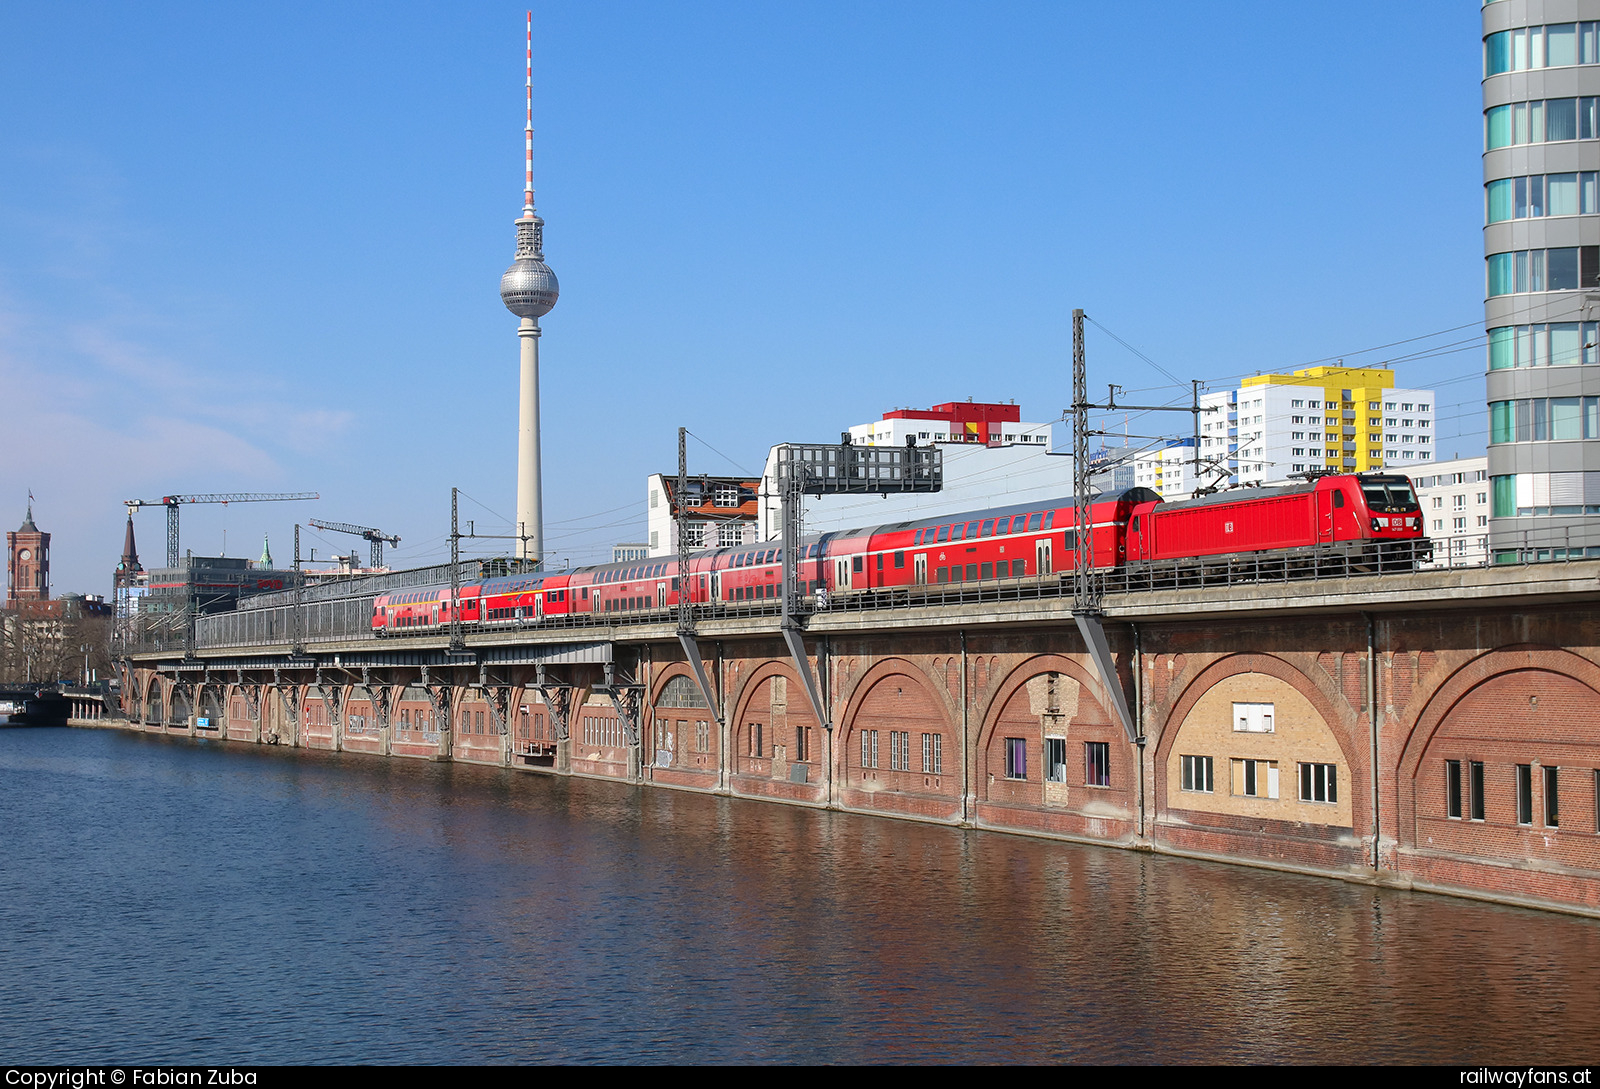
(1433, 729)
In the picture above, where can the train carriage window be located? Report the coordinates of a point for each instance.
(1019, 568)
(880, 561)
(988, 571)
(1049, 519)
(1003, 569)
(944, 534)
(957, 533)
(972, 572)
(857, 565)
(899, 559)
(1070, 540)
(955, 572)
(972, 530)
(1338, 499)
(918, 538)
(943, 574)
(1003, 526)
(1134, 527)
(1034, 520)
(988, 528)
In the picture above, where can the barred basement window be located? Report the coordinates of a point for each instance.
(1097, 763)
(932, 754)
(802, 743)
(1319, 783)
(1197, 774)
(756, 747)
(702, 737)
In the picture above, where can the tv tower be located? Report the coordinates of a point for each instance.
(529, 290)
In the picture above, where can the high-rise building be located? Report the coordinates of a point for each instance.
(1320, 419)
(1541, 243)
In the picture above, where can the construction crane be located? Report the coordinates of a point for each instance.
(172, 502)
(376, 537)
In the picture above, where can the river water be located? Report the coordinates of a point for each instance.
(169, 901)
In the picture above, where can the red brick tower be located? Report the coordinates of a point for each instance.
(27, 562)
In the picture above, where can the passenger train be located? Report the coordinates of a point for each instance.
(1364, 518)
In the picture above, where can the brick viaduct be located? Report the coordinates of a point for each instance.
(1436, 730)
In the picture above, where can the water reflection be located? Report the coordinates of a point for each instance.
(179, 901)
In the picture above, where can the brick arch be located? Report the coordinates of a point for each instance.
(153, 685)
(988, 709)
(932, 683)
(799, 715)
(1450, 692)
(685, 755)
(885, 780)
(664, 676)
(1337, 716)
(1324, 698)
(988, 773)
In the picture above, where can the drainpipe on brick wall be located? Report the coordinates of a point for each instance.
(965, 773)
(1138, 716)
(1372, 720)
(724, 728)
(825, 672)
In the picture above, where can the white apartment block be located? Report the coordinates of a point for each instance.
(1455, 500)
(1275, 426)
(1169, 471)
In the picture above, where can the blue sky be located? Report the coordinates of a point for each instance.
(248, 248)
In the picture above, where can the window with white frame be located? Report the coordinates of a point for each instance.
(1319, 783)
(1196, 774)
(1252, 718)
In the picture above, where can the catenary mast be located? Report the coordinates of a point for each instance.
(529, 290)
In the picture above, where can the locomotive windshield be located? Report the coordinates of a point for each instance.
(1389, 497)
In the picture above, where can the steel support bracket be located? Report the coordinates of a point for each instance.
(691, 651)
(802, 665)
(1092, 627)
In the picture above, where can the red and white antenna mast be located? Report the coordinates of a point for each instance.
(527, 195)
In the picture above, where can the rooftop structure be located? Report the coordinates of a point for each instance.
(993, 457)
(988, 423)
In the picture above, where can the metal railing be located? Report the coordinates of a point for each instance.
(349, 618)
(268, 620)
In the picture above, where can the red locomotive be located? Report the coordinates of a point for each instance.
(1363, 518)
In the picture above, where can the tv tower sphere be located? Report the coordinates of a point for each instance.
(528, 288)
